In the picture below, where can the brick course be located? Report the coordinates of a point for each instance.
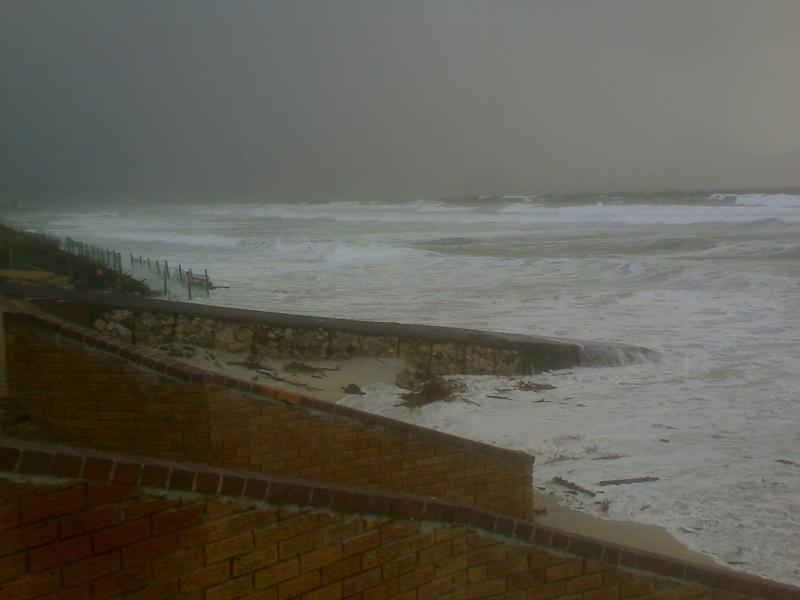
(154, 543)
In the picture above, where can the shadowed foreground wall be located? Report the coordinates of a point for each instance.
(83, 395)
(99, 526)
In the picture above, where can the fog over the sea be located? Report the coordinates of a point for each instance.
(276, 100)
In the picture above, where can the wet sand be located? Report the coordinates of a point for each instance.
(321, 379)
(625, 533)
(325, 380)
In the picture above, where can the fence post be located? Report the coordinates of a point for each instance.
(166, 267)
(208, 285)
(165, 283)
(190, 284)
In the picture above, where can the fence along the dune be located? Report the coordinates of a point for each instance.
(168, 278)
(110, 258)
(184, 277)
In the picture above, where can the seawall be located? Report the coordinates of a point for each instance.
(139, 476)
(426, 348)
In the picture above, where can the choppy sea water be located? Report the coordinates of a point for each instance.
(711, 282)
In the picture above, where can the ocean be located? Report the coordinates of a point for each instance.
(710, 282)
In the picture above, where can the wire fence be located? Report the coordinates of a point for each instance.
(186, 278)
(159, 275)
(104, 256)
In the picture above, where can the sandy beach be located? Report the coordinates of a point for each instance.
(327, 380)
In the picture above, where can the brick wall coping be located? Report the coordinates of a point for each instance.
(32, 458)
(551, 353)
(157, 361)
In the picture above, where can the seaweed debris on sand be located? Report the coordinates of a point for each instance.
(435, 388)
(23, 252)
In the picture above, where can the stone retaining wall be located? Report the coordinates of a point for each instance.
(265, 341)
(426, 348)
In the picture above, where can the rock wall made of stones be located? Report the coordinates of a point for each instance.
(264, 341)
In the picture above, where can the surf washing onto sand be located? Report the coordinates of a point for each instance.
(710, 282)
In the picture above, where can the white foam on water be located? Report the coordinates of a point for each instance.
(180, 239)
(526, 210)
(769, 200)
(646, 214)
(341, 253)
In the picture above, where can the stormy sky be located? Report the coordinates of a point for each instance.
(275, 100)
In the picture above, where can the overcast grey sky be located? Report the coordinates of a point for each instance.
(262, 100)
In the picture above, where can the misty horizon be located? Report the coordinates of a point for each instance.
(311, 100)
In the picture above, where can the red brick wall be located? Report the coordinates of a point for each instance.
(275, 438)
(98, 540)
(79, 395)
(84, 396)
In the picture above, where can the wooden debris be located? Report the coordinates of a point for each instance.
(299, 384)
(573, 486)
(532, 386)
(626, 481)
(498, 397)
(251, 361)
(609, 456)
(783, 461)
(299, 367)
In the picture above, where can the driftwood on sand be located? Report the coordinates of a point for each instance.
(626, 481)
(299, 384)
(573, 486)
(532, 386)
(299, 367)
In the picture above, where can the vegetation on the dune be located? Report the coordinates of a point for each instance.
(38, 252)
